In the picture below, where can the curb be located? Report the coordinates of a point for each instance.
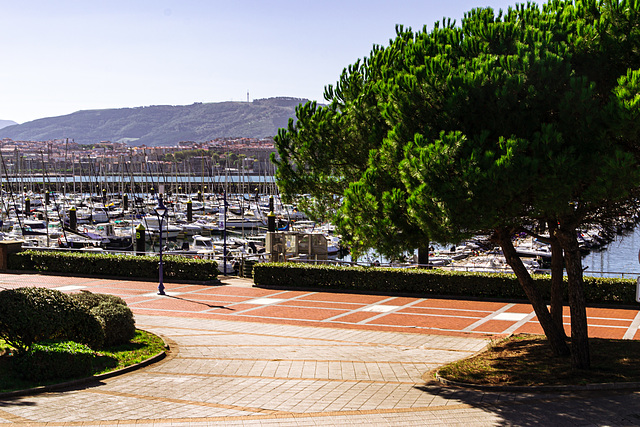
(88, 380)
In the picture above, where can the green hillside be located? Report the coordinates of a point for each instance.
(162, 124)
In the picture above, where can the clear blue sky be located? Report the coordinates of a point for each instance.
(61, 56)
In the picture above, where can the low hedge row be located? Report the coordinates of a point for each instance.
(429, 282)
(99, 264)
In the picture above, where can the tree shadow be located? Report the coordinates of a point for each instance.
(15, 401)
(536, 407)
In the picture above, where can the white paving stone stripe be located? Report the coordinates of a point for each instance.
(161, 323)
(633, 328)
(286, 375)
(384, 313)
(485, 319)
(264, 301)
(362, 306)
(511, 329)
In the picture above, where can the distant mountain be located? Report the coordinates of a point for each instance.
(162, 124)
(5, 123)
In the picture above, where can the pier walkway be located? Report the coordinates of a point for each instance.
(242, 355)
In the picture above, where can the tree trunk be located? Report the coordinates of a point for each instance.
(580, 357)
(557, 280)
(555, 336)
(423, 256)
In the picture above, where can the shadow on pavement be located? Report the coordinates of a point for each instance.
(601, 407)
(200, 302)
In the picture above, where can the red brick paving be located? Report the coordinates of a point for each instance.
(285, 312)
(235, 291)
(331, 309)
(612, 313)
(351, 298)
(530, 328)
(319, 304)
(356, 317)
(116, 291)
(224, 299)
(291, 294)
(444, 312)
(399, 301)
(595, 331)
(454, 323)
(494, 326)
(461, 304)
(520, 308)
(609, 322)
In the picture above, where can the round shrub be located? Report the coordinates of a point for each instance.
(89, 300)
(84, 327)
(31, 315)
(55, 360)
(117, 321)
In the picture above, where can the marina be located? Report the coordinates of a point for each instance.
(232, 229)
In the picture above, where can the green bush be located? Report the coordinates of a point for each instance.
(113, 314)
(55, 360)
(432, 282)
(117, 321)
(83, 327)
(31, 315)
(90, 300)
(106, 264)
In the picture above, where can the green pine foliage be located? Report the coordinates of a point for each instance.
(515, 120)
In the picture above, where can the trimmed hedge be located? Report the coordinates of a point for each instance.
(104, 264)
(429, 282)
(30, 315)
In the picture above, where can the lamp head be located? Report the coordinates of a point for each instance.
(161, 210)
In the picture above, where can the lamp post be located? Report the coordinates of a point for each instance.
(161, 212)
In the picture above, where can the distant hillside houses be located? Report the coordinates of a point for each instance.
(249, 155)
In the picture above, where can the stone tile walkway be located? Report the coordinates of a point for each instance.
(226, 369)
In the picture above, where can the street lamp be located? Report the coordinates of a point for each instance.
(161, 212)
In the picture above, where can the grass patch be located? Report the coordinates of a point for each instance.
(143, 346)
(527, 360)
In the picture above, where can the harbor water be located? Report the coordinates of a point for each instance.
(618, 259)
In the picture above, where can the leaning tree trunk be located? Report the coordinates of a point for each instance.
(557, 280)
(555, 336)
(580, 357)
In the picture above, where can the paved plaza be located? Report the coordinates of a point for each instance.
(242, 355)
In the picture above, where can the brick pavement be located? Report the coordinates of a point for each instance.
(239, 369)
